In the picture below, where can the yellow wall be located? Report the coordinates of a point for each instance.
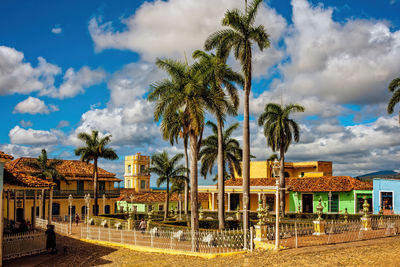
(88, 185)
(64, 206)
(262, 169)
(133, 175)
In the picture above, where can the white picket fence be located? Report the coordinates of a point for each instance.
(59, 228)
(205, 241)
(24, 244)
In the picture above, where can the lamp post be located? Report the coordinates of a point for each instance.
(87, 201)
(70, 213)
(180, 205)
(275, 170)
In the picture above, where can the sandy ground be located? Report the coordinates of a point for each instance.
(377, 252)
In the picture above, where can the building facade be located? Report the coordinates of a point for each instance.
(386, 195)
(136, 175)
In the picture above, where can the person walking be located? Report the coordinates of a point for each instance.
(77, 219)
(142, 226)
(51, 239)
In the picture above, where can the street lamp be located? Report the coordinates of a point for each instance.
(87, 201)
(180, 205)
(276, 170)
(70, 213)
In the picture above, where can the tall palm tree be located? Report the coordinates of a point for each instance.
(167, 169)
(173, 128)
(280, 130)
(394, 87)
(240, 35)
(232, 154)
(46, 169)
(219, 76)
(185, 91)
(95, 148)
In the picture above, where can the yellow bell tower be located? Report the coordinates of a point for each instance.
(135, 172)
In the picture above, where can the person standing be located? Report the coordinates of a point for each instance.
(77, 219)
(142, 226)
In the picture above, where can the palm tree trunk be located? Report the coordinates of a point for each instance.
(95, 189)
(221, 189)
(166, 202)
(193, 191)
(282, 180)
(246, 147)
(187, 175)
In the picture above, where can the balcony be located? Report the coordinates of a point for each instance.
(81, 193)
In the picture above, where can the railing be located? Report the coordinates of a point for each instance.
(82, 193)
(24, 244)
(183, 240)
(59, 228)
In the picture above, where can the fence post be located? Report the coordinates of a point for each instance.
(134, 235)
(251, 239)
(122, 236)
(295, 233)
(151, 238)
(99, 234)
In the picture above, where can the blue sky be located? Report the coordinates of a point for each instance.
(71, 66)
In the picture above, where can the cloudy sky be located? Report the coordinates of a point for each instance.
(73, 66)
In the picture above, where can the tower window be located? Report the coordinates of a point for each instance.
(142, 168)
(142, 184)
(129, 168)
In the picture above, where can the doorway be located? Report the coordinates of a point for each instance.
(307, 203)
(234, 201)
(387, 202)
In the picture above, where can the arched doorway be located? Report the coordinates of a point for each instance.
(20, 214)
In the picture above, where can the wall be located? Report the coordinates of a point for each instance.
(88, 185)
(143, 207)
(388, 185)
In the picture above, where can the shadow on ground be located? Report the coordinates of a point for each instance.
(71, 252)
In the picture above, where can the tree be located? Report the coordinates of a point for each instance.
(47, 170)
(280, 130)
(95, 148)
(184, 90)
(167, 169)
(218, 76)
(174, 127)
(273, 157)
(240, 35)
(394, 87)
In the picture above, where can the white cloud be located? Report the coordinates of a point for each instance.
(26, 123)
(17, 76)
(56, 30)
(75, 82)
(22, 151)
(63, 124)
(171, 28)
(30, 136)
(34, 105)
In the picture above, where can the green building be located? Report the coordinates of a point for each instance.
(337, 192)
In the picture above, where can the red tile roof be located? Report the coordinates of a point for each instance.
(5, 156)
(151, 196)
(24, 180)
(310, 184)
(71, 169)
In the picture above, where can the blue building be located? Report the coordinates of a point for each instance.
(386, 195)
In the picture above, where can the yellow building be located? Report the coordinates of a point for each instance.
(18, 204)
(262, 188)
(136, 176)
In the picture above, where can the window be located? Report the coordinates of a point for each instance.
(107, 209)
(334, 202)
(80, 185)
(142, 184)
(56, 209)
(72, 210)
(142, 168)
(150, 207)
(387, 201)
(102, 186)
(129, 168)
(160, 207)
(302, 174)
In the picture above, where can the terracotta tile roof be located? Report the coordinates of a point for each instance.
(71, 169)
(311, 184)
(22, 179)
(151, 196)
(5, 156)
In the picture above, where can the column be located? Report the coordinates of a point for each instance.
(212, 202)
(51, 205)
(259, 197)
(229, 201)
(43, 208)
(15, 205)
(8, 207)
(34, 209)
(24, 203)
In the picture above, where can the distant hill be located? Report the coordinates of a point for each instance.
(379, 174)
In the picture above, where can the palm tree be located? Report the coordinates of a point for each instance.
(240, 35)
(279, 130)
(232, 154)
(46, 169)
(174, 127)
(95, 148)
(217, 75)
(394, 87)
(167, 170)
(185, 91)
